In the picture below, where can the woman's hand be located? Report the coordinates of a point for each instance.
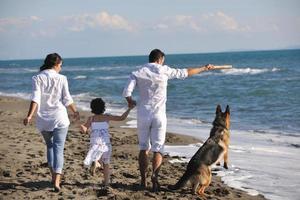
(32, 108)
(76, 116)
(27, 120)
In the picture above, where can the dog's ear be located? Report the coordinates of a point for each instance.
(227, 109)
(218, 109)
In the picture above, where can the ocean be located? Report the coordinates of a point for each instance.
(262, 90)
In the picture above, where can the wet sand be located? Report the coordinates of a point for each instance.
(25, 175)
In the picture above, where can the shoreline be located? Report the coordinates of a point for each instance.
(24, 173)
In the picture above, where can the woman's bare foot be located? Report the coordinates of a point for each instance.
(57, 187)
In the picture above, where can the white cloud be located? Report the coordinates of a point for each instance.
(7, 24)
(161, 26)
(178, 22)
(187, 21)
(205, 23)
(35, 18)
(228, 23)
(100, 20)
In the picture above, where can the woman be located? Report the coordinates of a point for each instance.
(50, 97)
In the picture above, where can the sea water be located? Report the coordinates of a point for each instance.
(262, 90)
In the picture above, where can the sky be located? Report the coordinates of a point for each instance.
(31, 29)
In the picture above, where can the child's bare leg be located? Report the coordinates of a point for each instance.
(106, 172)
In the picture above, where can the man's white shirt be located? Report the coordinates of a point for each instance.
(152, 80)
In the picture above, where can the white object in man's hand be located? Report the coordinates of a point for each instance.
(222, 67)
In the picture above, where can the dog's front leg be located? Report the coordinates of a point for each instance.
(226, 160)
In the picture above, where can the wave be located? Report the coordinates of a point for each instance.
(80, 77)
(21, 95)
(12, 70)
(112, 77)
(95, 68)
(240, 71)
(130, 124)
(14, 64)
(18, 70)
(251, 71)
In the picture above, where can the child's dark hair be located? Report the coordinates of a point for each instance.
(98, 106)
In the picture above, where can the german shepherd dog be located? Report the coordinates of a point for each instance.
(198, 170)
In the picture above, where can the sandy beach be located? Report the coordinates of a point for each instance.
(24, 173)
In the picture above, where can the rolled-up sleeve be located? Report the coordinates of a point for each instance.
(66, 96)
(36, 91)
(176, 73)
(129, 86)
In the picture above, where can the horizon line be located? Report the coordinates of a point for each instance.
(210, 52)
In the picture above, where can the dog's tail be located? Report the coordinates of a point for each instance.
(182, 181)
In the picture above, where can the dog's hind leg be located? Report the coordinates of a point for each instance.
(205, 180)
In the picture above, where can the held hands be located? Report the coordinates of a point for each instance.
(76, 116)
(131, 105)
(131, 102)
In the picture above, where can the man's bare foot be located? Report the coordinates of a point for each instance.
(155, 184)
(143, 183)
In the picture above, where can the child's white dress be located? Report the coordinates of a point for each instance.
(100, 146)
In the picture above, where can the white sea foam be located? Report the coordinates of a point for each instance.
(30, 69)
(251, 71)
(83, 100)
(18, 70)
(21, 95)
(130, 124)
(94, 68)
(112, 77)
(240, 71)
(80, 77)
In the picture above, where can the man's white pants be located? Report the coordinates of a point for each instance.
(152, 131)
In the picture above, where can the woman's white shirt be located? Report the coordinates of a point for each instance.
(50, 91)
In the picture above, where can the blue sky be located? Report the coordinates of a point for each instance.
(95, 28)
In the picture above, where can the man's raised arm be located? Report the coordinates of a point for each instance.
(197, 70)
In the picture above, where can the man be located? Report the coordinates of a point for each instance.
(151, 81)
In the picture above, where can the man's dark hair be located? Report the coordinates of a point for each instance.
(98, 106)
(155, 55)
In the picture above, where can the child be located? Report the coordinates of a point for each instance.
(100, 146)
